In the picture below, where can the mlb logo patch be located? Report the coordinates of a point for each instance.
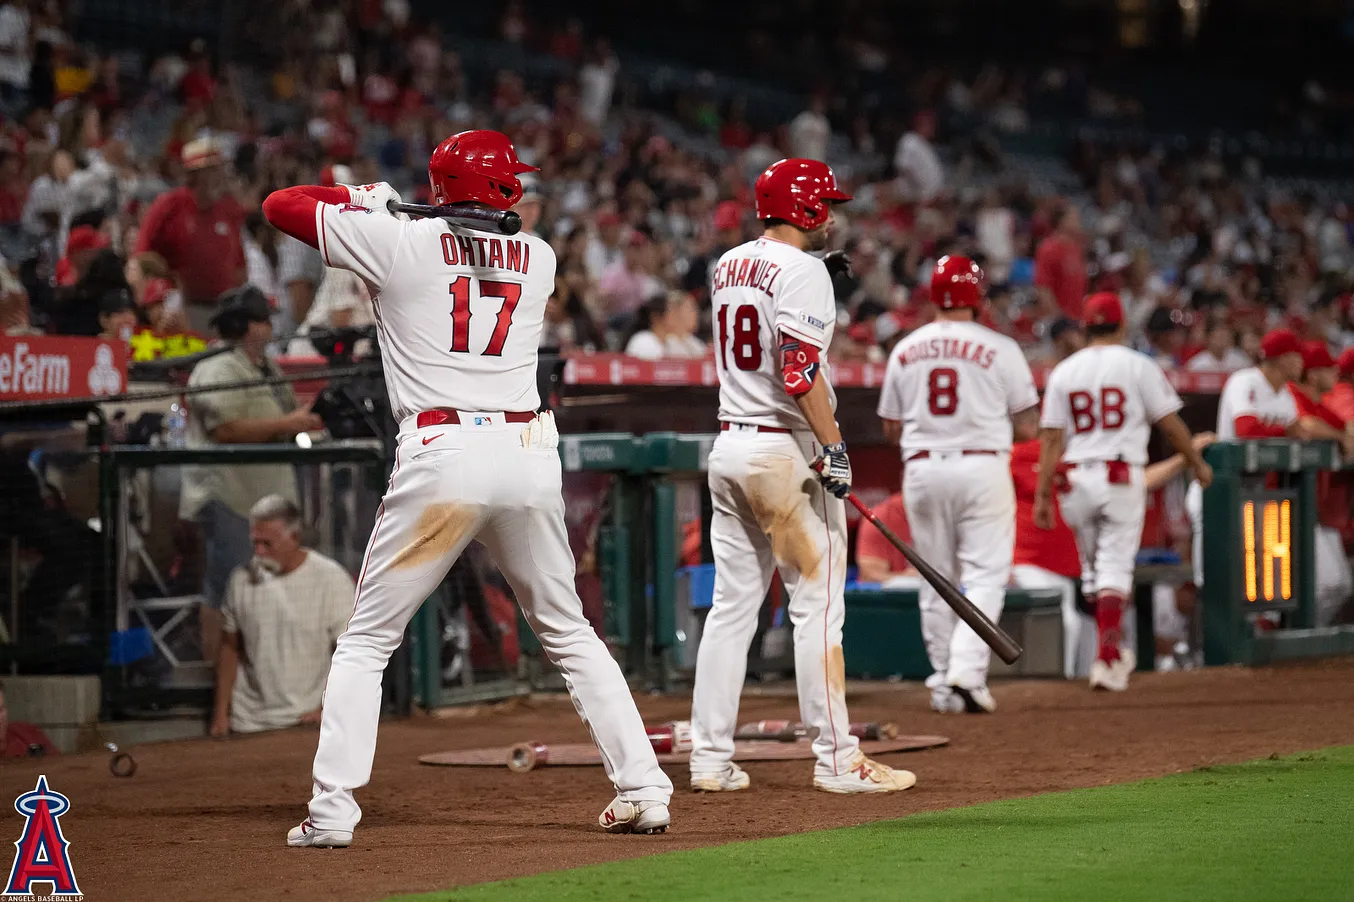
(484, 421)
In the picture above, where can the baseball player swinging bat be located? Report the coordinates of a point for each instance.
(504, 222)
(996, 638)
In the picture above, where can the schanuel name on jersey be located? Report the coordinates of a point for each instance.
(746, 272)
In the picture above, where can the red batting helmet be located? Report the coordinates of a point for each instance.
(479, 166)
(957, 282)
(797, 191)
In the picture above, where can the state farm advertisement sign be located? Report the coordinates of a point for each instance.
(44, 367)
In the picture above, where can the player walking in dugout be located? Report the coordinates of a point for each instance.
(774, 314)
(1099, 407)
(955, 394)
(459, 315)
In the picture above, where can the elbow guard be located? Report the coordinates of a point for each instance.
(799, 365)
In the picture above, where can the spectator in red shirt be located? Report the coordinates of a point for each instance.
(13, 186)
(21, 740)
(197, 230)
(878, 561)
(1060, 266)
(197, 87)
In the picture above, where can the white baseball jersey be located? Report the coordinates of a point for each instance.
(1105, 398)
(459, 312)
(1248, 393)
(954, 387)
(759, 290)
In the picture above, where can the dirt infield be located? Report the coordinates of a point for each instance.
(205, 820)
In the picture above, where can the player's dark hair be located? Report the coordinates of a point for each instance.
(1100, 330)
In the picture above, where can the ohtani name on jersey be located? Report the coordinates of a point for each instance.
(746, 272)
(487, 253)
(953, 349)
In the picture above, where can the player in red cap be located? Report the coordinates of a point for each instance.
(955, 394)
(1332, 574)
(779, 467)
(461, 315)
(1340, 399)
(1099, 407)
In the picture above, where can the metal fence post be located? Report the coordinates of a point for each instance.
(664, 576)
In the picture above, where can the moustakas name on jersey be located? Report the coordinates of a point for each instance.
(954, 386)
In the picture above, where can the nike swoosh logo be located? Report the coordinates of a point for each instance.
(433, 438)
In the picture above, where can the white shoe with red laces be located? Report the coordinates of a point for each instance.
(635, 817)
(307, 834)
(865, 775)
(1112, 676)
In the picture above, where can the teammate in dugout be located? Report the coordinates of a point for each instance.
(1099, 406)
(1256, 403)
(954, 395)
(459, 317)
(774, 314)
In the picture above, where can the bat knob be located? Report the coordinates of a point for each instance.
(511, 223)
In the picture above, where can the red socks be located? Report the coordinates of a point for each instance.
(1109, 610)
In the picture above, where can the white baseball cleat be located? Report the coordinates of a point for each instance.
(944, 701)
(1113, 676)
(732, 779)
(975, 701)
(634, 817)
(307, 834)
(865, 775)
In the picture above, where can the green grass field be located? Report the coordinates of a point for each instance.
(1277, 829)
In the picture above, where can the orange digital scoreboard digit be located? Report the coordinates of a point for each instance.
(1267, 548)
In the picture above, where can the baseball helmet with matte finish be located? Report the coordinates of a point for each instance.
(956, 283)
(478, 166)
(798, 191)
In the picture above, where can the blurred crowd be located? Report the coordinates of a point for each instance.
(129, 191)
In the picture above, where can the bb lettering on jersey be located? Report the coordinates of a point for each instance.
(486, 253)
(951, 349)
(746, 272)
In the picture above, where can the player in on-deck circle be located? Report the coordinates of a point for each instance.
(778, 472)
(459, 316)
(1099, 408)
(955, 394)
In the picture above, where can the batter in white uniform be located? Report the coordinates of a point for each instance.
(460, 315)
(1099, 407)
(778, 472)
(954, 395)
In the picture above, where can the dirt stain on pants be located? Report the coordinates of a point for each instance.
(438, 530)
(778, 502)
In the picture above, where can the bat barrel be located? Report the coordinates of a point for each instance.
(504, 222)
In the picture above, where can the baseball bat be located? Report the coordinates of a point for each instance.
(995, 637)
(793, 731)
(504, 222)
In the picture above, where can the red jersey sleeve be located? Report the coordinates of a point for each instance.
(148, 238)
(1250, 426)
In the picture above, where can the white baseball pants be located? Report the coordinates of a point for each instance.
(1107, 522)
(453, 484)
(771, 513)
(961, 509)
